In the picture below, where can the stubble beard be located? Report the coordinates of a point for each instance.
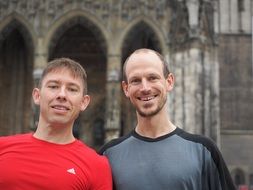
(154, 112)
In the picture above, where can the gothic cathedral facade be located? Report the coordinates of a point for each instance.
(207, 43)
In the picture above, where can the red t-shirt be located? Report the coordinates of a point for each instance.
(28, 163)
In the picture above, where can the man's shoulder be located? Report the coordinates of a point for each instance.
(16, 141)
(114, 142)
(206, 142)
(198, 138)
(84, 150)
(16, 137)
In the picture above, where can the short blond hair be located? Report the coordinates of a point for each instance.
(74, 67)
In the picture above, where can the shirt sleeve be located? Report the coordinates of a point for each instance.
(103, 179)
(215, 170)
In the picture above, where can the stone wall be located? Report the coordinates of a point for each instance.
(207, 44)
(236, 84)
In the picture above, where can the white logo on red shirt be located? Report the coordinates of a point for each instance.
(72, 171)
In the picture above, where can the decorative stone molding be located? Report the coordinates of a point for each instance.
(44, 13)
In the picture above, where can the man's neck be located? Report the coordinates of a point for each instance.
(54, 134)
(154, 126)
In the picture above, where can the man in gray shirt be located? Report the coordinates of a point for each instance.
(157, 155)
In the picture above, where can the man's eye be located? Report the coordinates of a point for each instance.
(135, 81)
(152, 78)
(53, 86)
(73, 89)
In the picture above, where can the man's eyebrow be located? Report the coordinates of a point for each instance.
(52, 81)
(133, 77)
(58, 82)
(73, 84)
(153, 74)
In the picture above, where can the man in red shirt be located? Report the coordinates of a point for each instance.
(51, 158)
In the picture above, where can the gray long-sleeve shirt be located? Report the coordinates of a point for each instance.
(176, 161)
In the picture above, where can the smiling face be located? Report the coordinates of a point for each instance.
(146, 86)
(60, 98)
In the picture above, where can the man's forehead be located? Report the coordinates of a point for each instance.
(59, 74)
(60, 71)
(143, 68)
(140, 58)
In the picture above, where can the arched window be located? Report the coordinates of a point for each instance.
(251, 181)
(238, 176)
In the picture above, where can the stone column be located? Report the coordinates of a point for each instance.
(113, 96)
(40, 58)
(40, 62)
(194, 103)
(193, 12)
(212, 58)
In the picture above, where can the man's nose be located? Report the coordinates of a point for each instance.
(62, 93)
(145, 86)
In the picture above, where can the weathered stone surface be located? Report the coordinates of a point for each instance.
(207, 45)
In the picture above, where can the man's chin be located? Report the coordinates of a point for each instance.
(59, 123)
(147, 113)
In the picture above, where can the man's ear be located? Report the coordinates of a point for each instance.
(125, 88)
(85, 102)
(36, 96)
(170, 81)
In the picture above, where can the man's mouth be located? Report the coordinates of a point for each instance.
(59, 107)
(148, 98)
